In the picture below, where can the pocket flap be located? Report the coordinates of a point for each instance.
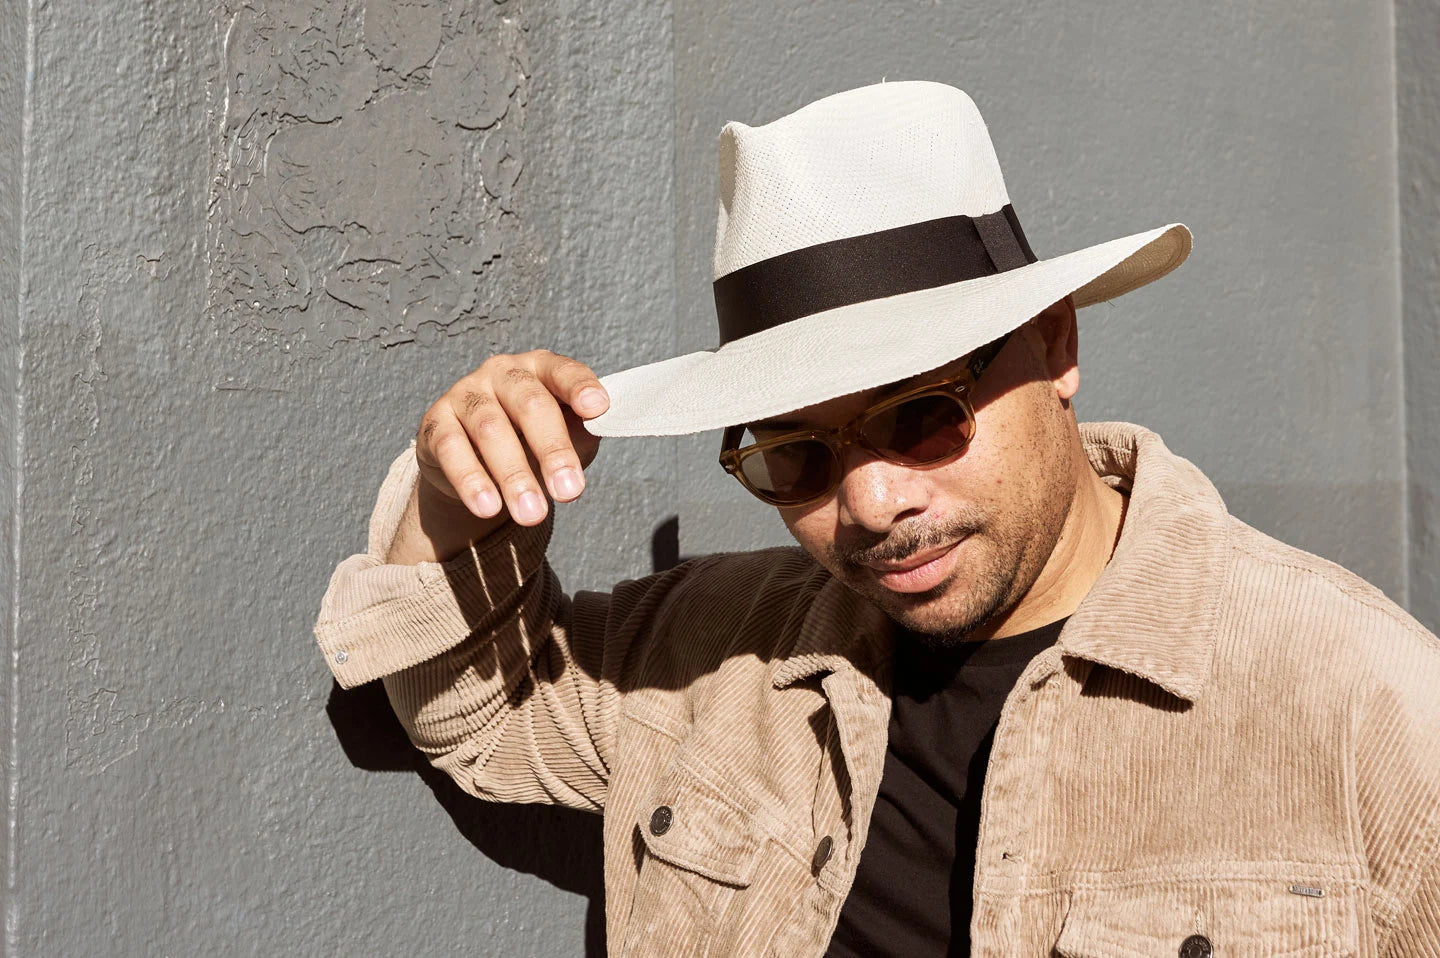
(692, 823)
(1220, 918)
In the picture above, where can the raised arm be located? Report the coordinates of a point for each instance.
(506, 683)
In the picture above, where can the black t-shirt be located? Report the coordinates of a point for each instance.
(911, 895)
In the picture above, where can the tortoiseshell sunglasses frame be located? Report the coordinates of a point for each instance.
(956, 387)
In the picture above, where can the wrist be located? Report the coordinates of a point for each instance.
(437, 527)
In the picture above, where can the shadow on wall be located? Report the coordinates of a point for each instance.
(560, 845)
(665, 545)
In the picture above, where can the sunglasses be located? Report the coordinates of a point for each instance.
(919, 427)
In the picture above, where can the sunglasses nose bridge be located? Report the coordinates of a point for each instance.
(853, 434)
(850, 434)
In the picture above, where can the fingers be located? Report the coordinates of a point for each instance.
(507, 433)
(574, 383)
(448, 461)
(583, 397)
(534, 411)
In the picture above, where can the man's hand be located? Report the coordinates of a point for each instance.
(493, 445)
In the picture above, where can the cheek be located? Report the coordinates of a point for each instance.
(813, 528)
(984, 476)
(1012, 437)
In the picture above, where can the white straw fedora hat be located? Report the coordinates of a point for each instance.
(863, 239)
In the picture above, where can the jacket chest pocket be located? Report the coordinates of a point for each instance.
(1222, 919)
(697, 847)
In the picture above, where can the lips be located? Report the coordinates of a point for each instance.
(918, 573)
(913, 562)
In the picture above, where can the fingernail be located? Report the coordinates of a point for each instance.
(530, 507)
(567, 483)
(591, 400)
(487, 503)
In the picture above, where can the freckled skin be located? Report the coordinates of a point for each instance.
(1037, 523)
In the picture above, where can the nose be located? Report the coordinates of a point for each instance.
(876, 494)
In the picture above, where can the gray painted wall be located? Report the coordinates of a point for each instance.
(1417, 99)
(244, 244)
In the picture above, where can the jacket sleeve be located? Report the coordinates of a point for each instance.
(507, 684)
(1396, 762)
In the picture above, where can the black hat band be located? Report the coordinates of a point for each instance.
(856, 269)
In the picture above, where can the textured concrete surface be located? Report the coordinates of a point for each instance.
(13, 34)
(244, 244)
(187, 778)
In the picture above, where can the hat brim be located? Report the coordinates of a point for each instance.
(870, 344)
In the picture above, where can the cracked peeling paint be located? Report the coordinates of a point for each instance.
(366, 162)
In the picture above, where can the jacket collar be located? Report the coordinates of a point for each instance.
(1152, 612)
(841, 630)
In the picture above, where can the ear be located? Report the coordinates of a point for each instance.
(1057, 327)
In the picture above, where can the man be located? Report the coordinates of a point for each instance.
(1025, 688)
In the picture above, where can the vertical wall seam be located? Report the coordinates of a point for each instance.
(1398, 235)
(677, 468)
(12, 776)
(1417, 94)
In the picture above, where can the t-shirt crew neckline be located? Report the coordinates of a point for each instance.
(911, 894)
(918, 664)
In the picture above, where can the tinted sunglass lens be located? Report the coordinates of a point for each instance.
(792, 471)
(919, 430)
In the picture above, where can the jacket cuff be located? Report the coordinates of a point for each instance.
(377, 618)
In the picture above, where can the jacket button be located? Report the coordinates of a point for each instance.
(660, 820)
(822, 853)
(1196, 946)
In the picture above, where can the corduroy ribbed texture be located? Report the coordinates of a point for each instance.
(1232, 739)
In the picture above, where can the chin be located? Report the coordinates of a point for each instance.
(973, 595)
(946, 628)
(944, 614)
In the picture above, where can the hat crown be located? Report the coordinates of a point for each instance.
(857, 162)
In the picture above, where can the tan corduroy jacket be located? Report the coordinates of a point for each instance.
(1234, 749)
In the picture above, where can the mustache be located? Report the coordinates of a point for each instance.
(908, 539)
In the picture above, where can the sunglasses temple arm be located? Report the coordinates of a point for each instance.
(729, 440)
(985, 355)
